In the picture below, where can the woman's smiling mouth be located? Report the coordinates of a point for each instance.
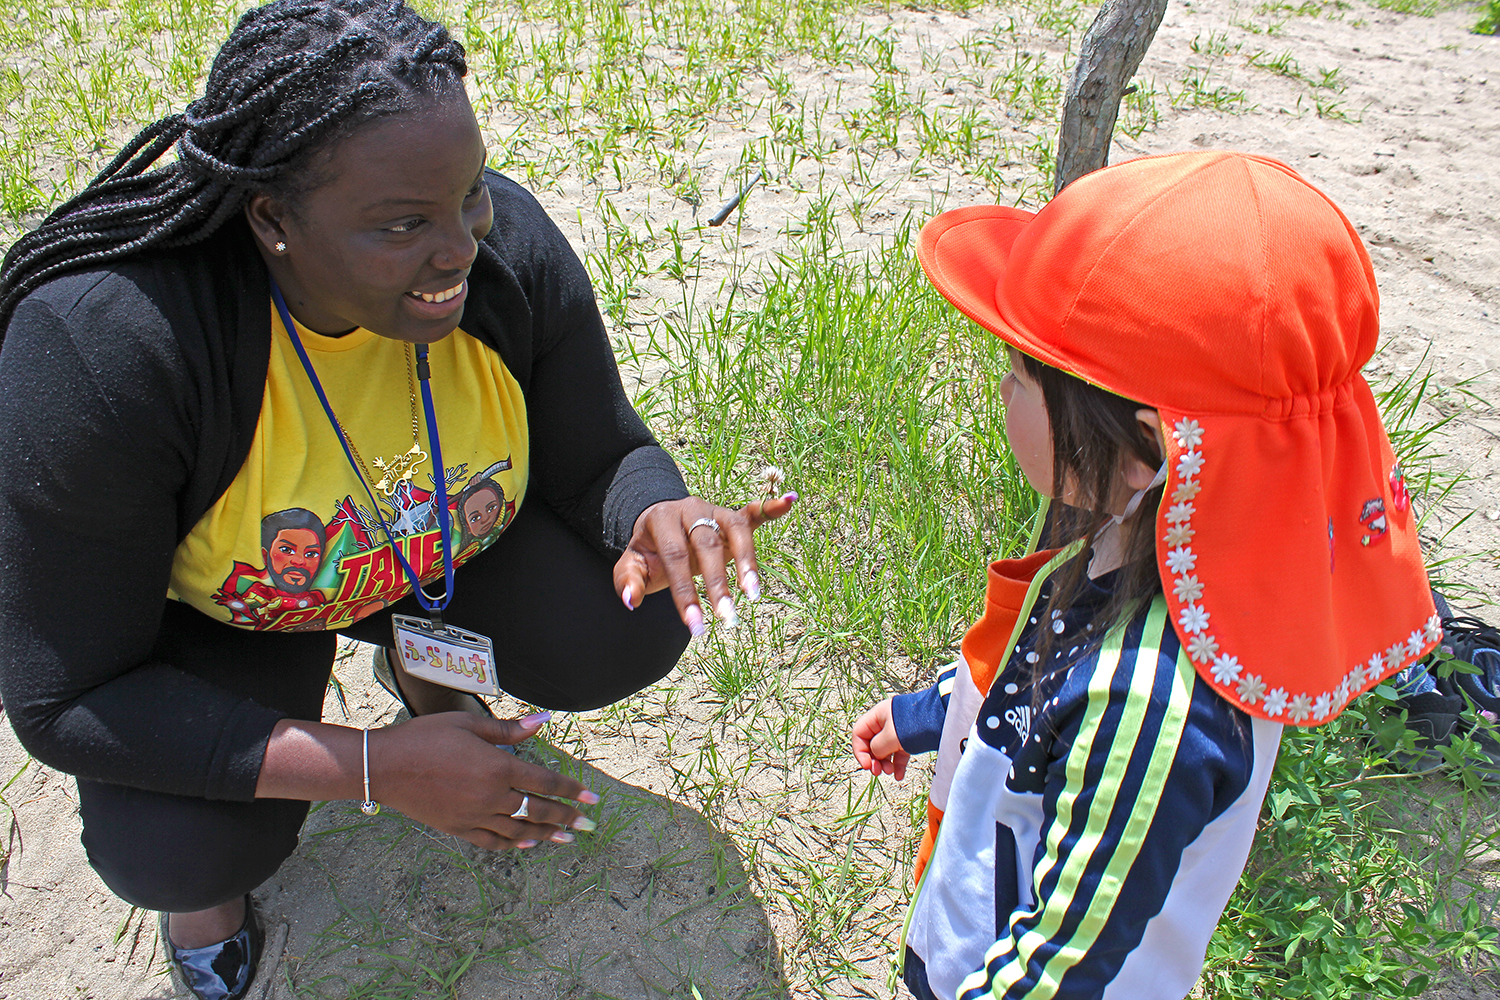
(442, 296)
(434, 307)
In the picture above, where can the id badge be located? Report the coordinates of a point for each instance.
(446, 654)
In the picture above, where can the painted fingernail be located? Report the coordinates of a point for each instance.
(750, 584)
(791, 497)
(525, 844)
(533, 721)
(588, 798)
(727, 614)
(629, 598)
(561, 837)
(585, 824)
(694, 618)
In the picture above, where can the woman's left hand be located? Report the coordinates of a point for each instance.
(674, 543)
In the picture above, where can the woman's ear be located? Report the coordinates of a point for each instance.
(265, 215)
(1139, 475)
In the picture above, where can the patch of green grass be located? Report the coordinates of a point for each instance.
(1421, 8)
(1489, 18)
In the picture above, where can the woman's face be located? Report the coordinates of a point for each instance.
(386, 242)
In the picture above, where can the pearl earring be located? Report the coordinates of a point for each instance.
(280, 247)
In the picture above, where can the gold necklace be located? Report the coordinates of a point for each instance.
(400, 468)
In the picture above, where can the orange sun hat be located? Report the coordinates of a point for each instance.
(1236, 299)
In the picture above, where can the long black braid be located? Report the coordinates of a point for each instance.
(293, 77)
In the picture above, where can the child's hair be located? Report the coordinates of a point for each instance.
(1094, 431)
(293, 77)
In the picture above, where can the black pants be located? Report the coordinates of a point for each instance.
(562, 640)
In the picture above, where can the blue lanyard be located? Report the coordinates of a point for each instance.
(432, 605)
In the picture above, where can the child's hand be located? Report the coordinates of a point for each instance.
(876, 748)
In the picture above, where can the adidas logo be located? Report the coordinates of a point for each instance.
(1020, 718)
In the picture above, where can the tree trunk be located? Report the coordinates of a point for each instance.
(1111, 52)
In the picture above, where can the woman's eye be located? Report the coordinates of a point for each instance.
(404, 227)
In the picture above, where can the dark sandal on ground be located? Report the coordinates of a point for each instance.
(220, 971)
(1438, 716)
(1477, 643)
(385, 676)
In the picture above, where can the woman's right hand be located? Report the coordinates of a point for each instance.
(445, 771)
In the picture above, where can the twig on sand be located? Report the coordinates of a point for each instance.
(729, 206)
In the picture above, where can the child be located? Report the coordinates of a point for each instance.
(1235, 552)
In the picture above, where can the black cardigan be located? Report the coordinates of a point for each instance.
(128, 400)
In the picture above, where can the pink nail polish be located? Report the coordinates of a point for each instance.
(792, 496)
(525, 844)
(588, 798)
(561, 837)
(694, 618)
(533, 721)
(629, 598)
(750, 584)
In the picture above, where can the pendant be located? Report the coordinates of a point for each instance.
(399, 469)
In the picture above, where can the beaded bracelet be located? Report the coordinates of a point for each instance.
(369, 806)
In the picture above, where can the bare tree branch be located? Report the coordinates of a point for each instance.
(1111, 53)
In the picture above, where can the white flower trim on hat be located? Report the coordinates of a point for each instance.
(1193, 618)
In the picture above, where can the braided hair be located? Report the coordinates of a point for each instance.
(294, 77)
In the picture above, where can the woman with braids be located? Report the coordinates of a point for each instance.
(239, 393)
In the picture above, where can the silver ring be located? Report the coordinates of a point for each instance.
(525, 809)
(705, 522)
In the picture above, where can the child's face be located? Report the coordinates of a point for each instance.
(1027, 426)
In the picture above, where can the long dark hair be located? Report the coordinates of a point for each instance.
(292, 78)
(1093, 432)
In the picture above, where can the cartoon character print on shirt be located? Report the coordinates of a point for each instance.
(317, 576)
(292, 543)
(482, 509)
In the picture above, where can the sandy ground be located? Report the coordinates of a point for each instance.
(662, 905)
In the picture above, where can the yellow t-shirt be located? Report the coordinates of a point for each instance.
(293, 543)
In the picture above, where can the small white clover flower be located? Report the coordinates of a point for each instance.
(771, 479)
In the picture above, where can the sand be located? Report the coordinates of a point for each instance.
(1414, 165)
